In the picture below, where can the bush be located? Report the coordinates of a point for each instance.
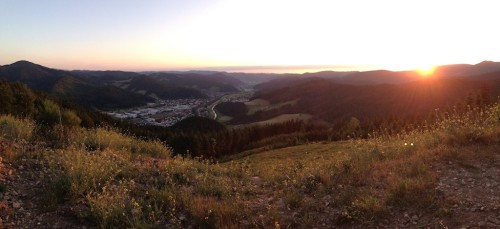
(51, 114)
(494, 114)
(16, 129)
(152, 148)
(69, 118)
(103, 138)
(80, 173)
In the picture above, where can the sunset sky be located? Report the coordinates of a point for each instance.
(252, 36)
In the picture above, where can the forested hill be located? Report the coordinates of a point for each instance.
(19, 100)
(66, 85)
(331, 101)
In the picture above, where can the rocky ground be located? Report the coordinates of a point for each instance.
(471, 199)
(473, 190)
(21, 203)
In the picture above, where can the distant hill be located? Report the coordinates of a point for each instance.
(118, 89)
(256, 78)
(189, 79)
(481, 71)
(467, 70)
(66, 85)
(157, 88)
(106, 77)
(493, 76)
(379, 77)
(290, 81)
(167, 85)
(332, 101)
(216, 81)
(33, 75)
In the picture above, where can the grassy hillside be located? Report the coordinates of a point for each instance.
(100, 178)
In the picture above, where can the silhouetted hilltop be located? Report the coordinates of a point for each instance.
(69, 86)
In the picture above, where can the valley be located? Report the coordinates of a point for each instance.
(242, 96)
(164, 112)
(168, 112)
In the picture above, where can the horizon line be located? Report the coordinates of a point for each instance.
(254, 69)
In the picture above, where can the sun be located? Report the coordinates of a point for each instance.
(426, 71)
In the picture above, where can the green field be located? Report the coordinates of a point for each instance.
(263, 105)
(285, 118)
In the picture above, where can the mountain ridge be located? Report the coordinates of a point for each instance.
(101, 89)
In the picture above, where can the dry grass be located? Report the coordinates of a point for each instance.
(79, 172)
(132, 183)
(369, 176)
(106, 138)
(16, 129)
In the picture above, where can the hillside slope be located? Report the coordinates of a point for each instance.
(442, 175)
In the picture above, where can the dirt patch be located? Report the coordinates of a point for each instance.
(22, 186)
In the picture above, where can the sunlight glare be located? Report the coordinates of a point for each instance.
(426, 71)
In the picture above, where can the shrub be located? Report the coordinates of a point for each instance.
(416, 192)
(103, 138)
(293, 198)
(494, 114)
(152, 148)
(80, 172)
(16, 129)
(114, 207)
(69, 118)
(51, 114)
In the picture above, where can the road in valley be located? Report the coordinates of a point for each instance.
(236, 96)
(213, 109)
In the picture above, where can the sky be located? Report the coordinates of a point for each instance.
(248, 35)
